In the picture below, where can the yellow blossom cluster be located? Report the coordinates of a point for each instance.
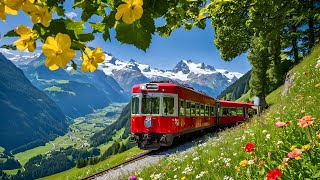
(36, 11)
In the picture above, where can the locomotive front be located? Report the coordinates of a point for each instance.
(154, 115)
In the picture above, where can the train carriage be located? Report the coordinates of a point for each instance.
(161, 111)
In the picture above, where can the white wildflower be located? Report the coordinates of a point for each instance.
(227, 178)
(264, 131)
(200, 175)
(187, 170)
(267, 136)
(318, 64)
(196, 158)
(279, 142)
(251, 162)
(157, 176)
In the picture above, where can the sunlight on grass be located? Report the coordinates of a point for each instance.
(24, 157)
(76, 173)
(11, 172)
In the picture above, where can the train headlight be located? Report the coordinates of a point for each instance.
(143, 87)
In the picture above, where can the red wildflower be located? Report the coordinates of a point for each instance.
(274, 174)
(306, 121)
(249, 147)
(280, 124)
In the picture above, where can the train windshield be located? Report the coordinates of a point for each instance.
(150, 105)
(135, 105)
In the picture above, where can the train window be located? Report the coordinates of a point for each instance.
(182, 107)
(197, 109)
(225, 111)
(135, 105)
(240, 111)
(233, 112)
(207, 110)
(212, 113)
(168, 105)
(150, 105)
(188, 108)
(201, 110)
(193, 109)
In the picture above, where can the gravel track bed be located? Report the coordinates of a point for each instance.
(149, 160)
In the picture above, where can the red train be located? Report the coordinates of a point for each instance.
(162, 111)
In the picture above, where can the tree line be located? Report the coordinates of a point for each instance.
(275, 33)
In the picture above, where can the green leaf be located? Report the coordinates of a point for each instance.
(147, 22)
(106, 35)
(74, 65)
(76, 26)
(60, 10)
(11, 33)
(90, 8)
(133, 34)
(77, 45)
(97, 27)
(9, 46)
(86, 37)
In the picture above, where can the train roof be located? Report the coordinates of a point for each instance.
(170, 84)
(235, 104)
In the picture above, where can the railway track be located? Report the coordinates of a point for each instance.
(148, 153)
(131, 160)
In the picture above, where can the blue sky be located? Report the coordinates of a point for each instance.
(196, 45)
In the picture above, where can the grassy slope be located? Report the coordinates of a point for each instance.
(76, 173)
(220, 157)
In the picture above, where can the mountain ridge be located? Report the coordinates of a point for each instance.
(27, 114)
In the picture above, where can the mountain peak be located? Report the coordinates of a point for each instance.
(182, 66)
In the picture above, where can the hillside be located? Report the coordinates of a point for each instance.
(237, 89)
(283, 142)
(27, 114)
(106, 134)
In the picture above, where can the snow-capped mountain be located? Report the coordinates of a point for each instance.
(20, 57)
(198, 75)
(128, 73)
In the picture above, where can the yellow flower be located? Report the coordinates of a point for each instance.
(27, 40)
(243, 163)
(2, 10)
(318, 135)
(210, 161)
(183, 178)
(303, 111)
(305, 147)
(58, 51)
(293, 147)
(237, 168)
(91, 59)
(130, 11)
(201, 16)
(13, 6)
(41, 14)
(297, 158)
(317, 85)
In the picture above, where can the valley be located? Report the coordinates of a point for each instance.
(79, 133)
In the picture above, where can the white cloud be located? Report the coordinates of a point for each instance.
(71, 15)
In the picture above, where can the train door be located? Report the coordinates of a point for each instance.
(218, 113)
